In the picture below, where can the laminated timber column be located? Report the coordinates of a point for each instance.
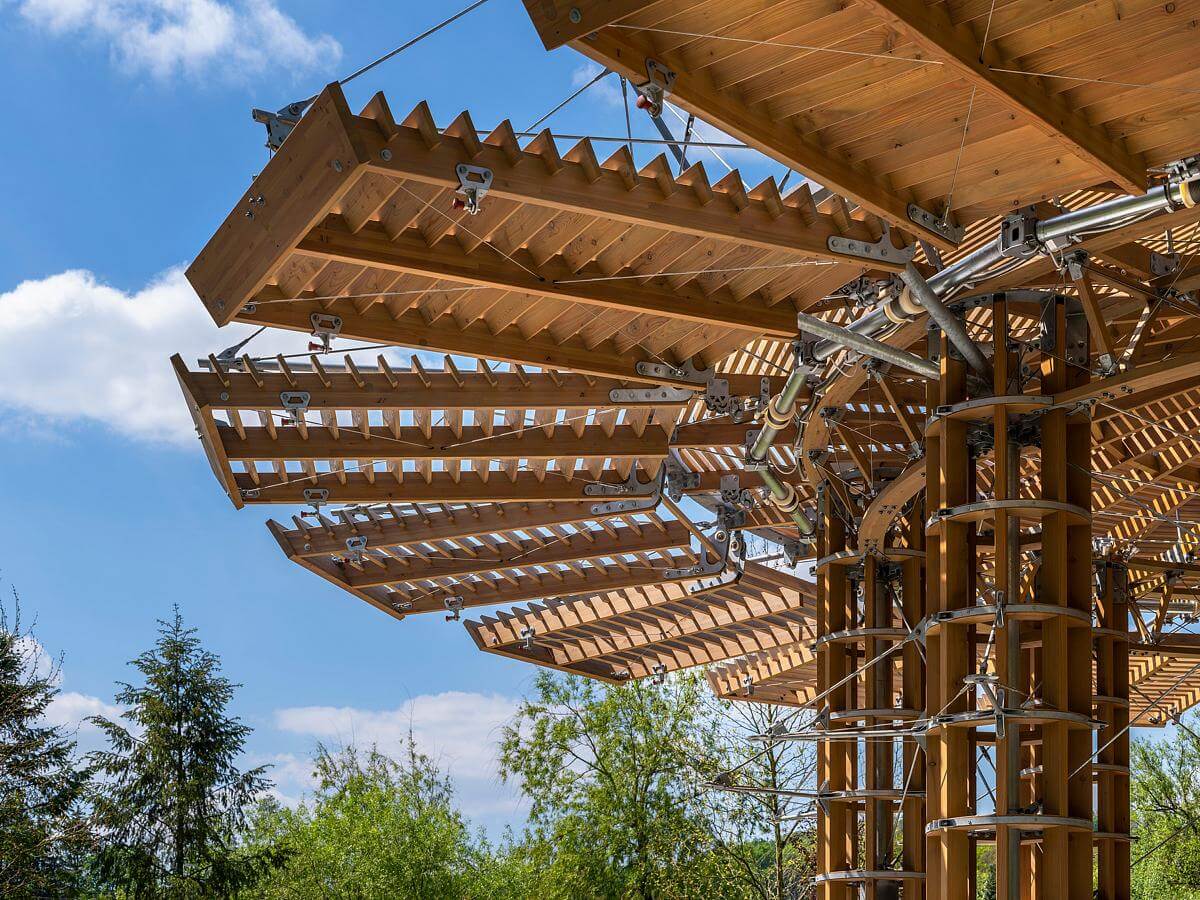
(871, 791)
(1004, 672)
(1111, 769)
(912, 696)
(836, 759)
(1065, 582)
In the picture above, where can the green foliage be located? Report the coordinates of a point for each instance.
(606, 771)
(172, 802)
(379, 827)
(42, 830)
(1165, 799)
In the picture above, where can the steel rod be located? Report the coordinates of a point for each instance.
(868, 346)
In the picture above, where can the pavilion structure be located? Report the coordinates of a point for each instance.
(953, 370)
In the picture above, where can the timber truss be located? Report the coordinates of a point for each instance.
(956, 371)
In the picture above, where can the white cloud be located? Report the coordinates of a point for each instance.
(607, 90)
(71, 709)
(164, 37)
(73, 349)
(459, 729)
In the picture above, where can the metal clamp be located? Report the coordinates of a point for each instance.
(316, 496)
(280, 124)
(356, 546)
(650, 395)
(938, 225)
(629, 487)
(685, 371)
(527, 634)
(660, 82)
(882, 250)
(473, 184)
(455, 605)
(326, 327)
(295, 403)
(678, 479)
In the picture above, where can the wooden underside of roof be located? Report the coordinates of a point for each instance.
(472, 482)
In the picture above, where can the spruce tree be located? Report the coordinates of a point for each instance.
(170, 803)
(42, 832)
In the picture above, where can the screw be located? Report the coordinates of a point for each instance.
(385, 154)
(575, 15)
(337, 165)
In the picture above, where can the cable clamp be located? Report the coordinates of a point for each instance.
(280, 124)
(658, 86)
(473, 184)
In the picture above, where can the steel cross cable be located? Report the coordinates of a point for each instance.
(409, 43)
(1159, 699)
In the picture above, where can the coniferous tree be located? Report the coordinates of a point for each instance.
(42, 833)
(171, 802)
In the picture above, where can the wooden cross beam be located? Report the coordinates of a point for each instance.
(327, 537)
(376, 570)
(529, 586)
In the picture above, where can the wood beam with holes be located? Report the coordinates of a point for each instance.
(372, 388)
(371, 245)
(411, 442)
(931, 27)
(559, 22)
(326, 536)
(397, 569)
(626, 53)
(411, 330)
(527, 587)
(612, 189)
(437, 487)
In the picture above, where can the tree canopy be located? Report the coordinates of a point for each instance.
(170, 801)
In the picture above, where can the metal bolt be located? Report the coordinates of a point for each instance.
(224, 395)
(385, 154)
(575, 15)
(337, 165)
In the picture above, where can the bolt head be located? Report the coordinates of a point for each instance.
(336, 165)
(575, 15)
(385, 154)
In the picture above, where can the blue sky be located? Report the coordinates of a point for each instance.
(128, 139)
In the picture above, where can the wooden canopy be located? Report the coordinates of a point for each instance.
(579, 337)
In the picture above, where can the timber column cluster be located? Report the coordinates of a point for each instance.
(1008, 631)
(870, 702)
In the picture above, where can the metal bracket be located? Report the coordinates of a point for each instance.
(326, 327)
(630, 487)
(1162, 264)
(280, 124)
(882, 250)
(660, 673)
(660, 82)
(650, 395)
(294, 404)
(678, 479)
(686, 372)
(527, 634)
(316, 496)
(748, 685)
(473, 184)
(639, 503)
(1018, 235)
(733, 495)
(356, 546)
(727, 576)
(455, 605)
(936, 224)
(749, 463)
